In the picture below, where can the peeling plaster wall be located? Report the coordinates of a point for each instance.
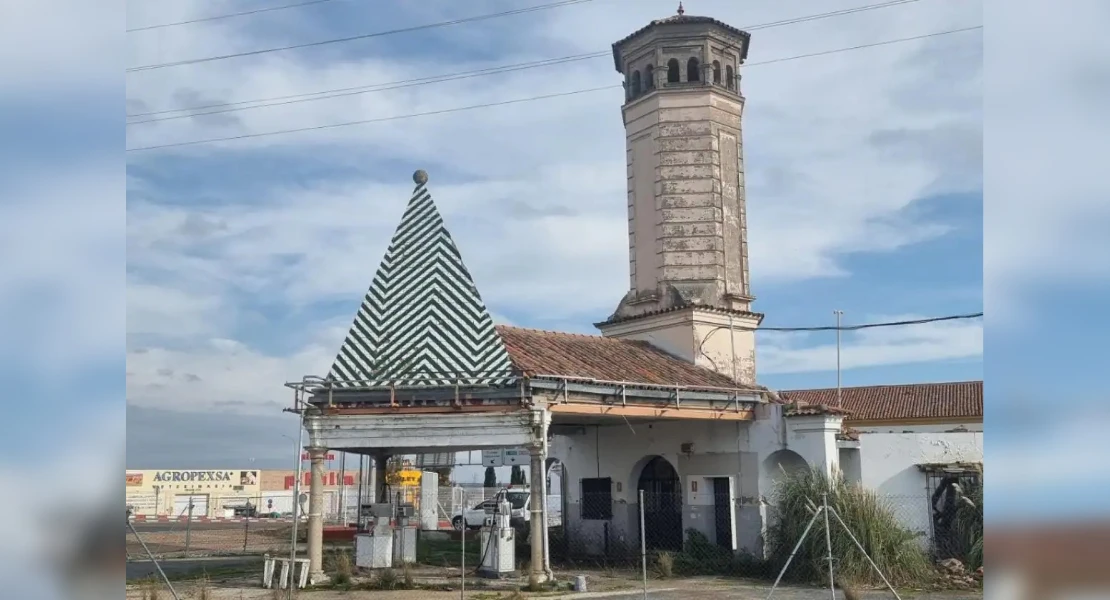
(888, 465)
(720, 449)
(620, 452)
(686, 195)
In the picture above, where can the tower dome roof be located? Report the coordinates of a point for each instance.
(681, 18)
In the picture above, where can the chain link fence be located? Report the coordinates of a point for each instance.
(721, 537)
(659, 538)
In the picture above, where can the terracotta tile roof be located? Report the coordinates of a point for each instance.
(683, 19)
(962, 399)
(712, 309)
(848, 434)
(538, 352)
(803, 410)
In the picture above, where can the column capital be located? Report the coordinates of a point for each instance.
(316, 452)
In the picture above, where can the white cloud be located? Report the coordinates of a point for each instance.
(838, 149)
(39, 274)
(1047, 211)
(221, 374)
(927, 342)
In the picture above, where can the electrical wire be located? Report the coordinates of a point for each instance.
(515, 101)
(228, 16)
(353, 91)
(364, 36)
(702, 352)
(370, 88)
(875, 325)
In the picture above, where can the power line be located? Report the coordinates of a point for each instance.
(875, 325)
(484, 17)
(354, 91)
(229, 16)
(365, 89)
(519, 100)
(377, 120)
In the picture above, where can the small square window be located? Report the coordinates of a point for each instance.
(597, 499)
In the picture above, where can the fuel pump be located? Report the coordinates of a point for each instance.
(498, 540)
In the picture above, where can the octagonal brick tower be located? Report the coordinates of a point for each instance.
(687, 228)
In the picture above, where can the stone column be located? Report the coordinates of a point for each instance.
(379, 476)
(537, 574)
(316, 515)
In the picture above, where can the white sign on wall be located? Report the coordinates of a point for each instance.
(505, 457)
(492, 458)
(515, 456)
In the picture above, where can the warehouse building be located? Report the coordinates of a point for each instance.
(198, 493)
(231, 493)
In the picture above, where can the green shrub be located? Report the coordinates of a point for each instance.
(895, 550)
(969, 526)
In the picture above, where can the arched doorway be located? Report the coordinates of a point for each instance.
(557, 484)
(662, 505)
(782, 464)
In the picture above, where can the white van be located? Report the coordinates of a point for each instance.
(518, 499)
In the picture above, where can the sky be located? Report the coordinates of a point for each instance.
(246, 259)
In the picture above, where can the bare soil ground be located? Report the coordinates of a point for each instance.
(601, 585)
(257, 539)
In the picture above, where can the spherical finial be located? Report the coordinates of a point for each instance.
(680, 9)
(420, 177)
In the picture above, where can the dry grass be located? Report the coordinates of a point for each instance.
(150, 589)
(202, 589)
(894, 549)
(343, 569)
(664, 565)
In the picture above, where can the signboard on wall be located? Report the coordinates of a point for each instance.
(492, 458)
(515, 456)
(437, 459)
(505, 457)
(405, 477)
(193, 476)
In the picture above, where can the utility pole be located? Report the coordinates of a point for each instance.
(839, 314)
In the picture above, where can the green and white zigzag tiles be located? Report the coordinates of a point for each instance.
(422, 322)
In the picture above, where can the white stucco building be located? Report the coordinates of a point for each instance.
(665, 401)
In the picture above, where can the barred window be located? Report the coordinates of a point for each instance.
(597, 499)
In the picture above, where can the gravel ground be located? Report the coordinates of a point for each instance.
(678, 589)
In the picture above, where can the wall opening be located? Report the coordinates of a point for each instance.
(717, 71)
(950, 487)
(693, 70)
(722, 512)
(850, 465)
(557, 486)
(662, 504)
(673, 73)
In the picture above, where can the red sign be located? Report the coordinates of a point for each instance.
(328, 456)
(331, 479)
